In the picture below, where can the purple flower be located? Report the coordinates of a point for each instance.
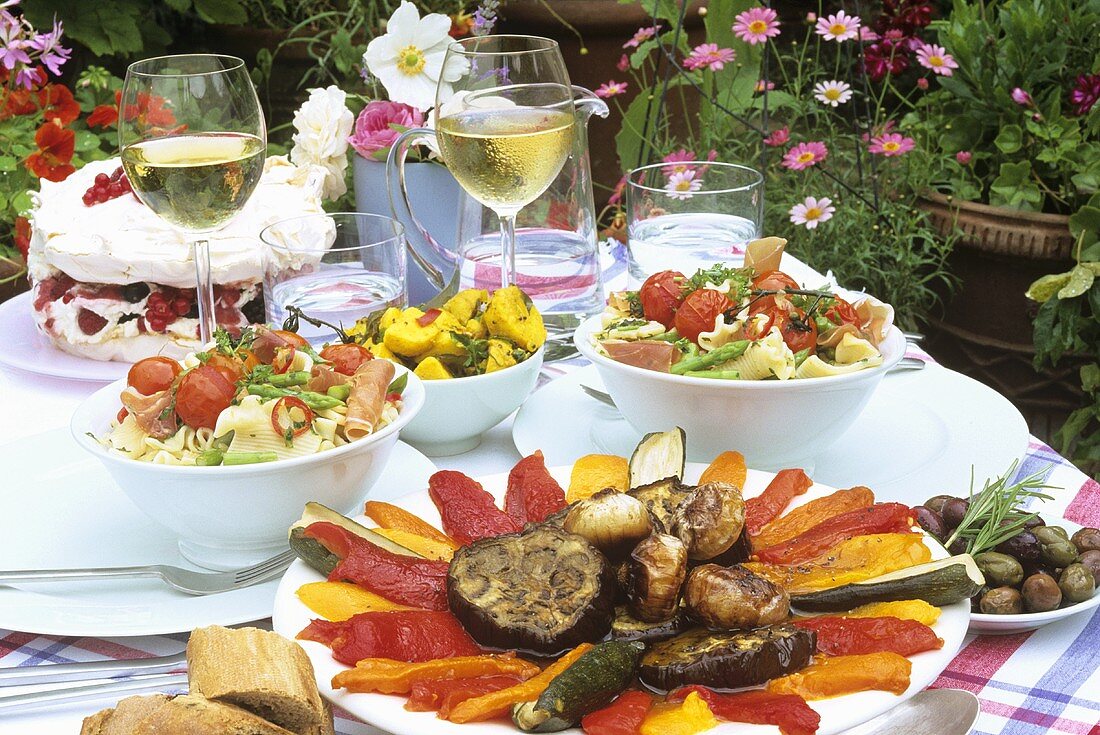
(374, 129)
(1020, 97)
(1085, 94)
(12, 44)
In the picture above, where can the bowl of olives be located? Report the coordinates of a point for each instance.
(1041, 574)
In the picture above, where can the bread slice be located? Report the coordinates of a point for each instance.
(258, 670)
(327, 726)
(190, 714)
(124, 716)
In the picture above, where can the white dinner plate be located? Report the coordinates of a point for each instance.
(26, 349)
(919, 435)
(388, 712)
(61, 509)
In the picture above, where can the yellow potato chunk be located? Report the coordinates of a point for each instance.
(380, 350)
(476, 329)
(407, 338)
(500, 356)
(464, 304)
(508, 316)
(430, 368)
(389, 317)
(445, 344)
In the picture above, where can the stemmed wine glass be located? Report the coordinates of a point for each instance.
(193, 143)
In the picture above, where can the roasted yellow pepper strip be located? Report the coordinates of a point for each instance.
(834, 676)
(388, 676)
(918, 610)
(688, 717)
(338, 601)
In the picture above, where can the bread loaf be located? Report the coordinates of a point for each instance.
(124, 717)
(260, 671)
(189, 714)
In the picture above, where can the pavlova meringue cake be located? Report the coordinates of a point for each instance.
(112, 281)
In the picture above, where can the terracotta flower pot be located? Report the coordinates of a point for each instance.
(1001, 231)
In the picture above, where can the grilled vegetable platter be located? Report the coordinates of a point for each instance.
(624, 595)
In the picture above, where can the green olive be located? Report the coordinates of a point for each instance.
(1002, 601)
(1000, 570)
(1050, 534)
(1077, 583)
(1059, 554)
(1087, 539)
(1041, 593)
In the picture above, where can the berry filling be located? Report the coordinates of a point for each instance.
(105, 188)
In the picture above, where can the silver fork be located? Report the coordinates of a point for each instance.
(184, 580)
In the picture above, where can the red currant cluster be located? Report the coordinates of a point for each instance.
(106, 188)
(163, 308)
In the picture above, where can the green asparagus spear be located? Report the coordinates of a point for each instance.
(717, 374)
(316, 401)
(285, 380)
(210, 458)
(340, 392)
(232, 458)
(729, 351)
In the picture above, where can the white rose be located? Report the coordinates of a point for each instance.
(322, 126)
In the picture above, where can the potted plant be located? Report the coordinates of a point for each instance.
(1015, 152)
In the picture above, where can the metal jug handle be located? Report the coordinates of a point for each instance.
(395, 182)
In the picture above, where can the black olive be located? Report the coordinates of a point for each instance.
(1024, 546)
(1087, 539)
(954, 510)
(1041, 593)
(958, 546)
(935, 503)
(931, 521)
(1034, 522)
(1091, 561)
(135, 292)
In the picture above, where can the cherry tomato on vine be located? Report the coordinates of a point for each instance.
(291, 417)
(295, 339)
(231, 367)
(801, 334)
(346, 358)
(698, 312)
(153, 374)
(202, 395)
(661, 295)
(842, 312)
(769, 281)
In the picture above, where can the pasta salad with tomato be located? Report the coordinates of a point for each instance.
(740, 324)
(264, 396)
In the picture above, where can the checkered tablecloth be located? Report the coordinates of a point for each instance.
(1029, 683)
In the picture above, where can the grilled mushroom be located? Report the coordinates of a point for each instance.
(611, 521)
(710, 520)
(733, 598)
(657, 570)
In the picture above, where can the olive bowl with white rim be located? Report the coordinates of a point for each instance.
(228, 517)
(1005, 624)
(775, 423)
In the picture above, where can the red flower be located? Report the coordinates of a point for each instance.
(103, 116)
(58, 104)
(885, 57)
(1085, 94)
(149, 111)
(22, 235)
(55, 151)
(18, 102)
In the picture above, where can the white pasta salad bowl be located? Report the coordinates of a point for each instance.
(232, 515)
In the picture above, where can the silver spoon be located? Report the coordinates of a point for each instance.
(931, 712)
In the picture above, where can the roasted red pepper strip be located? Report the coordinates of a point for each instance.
(532, 493)
(468, 512)
(788, 712)
(839, 636)
(428, 317)
(879, 518)
(441, 695)
(405, 580)
(770, 504)
(403, 635)
(622, 717)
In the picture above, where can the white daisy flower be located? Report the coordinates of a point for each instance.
(833, 92)
(812, 212)
(682, 184)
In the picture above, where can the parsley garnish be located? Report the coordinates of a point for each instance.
(740, 280)
(635, 301)
(477, 350)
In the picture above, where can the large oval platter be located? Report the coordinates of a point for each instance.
(388, 713)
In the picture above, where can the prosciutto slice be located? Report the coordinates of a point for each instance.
(765, 254)
(324, 377)
(267, 343)
(368, 397)
(154, 413)
(657, 356)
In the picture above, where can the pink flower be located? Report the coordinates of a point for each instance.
(677, 161)
(710, 56)
(812, 211)
(640, 35)
(682, 185)
(1021, 97)
(936, 58)
(624, 63)
(838, 27)
(756, 25)
(617, 193)
(804, 155)
(922, 83)
(1085, 93)
(611, 88)
(778, 137)
(761, 86)
(373, 128)
(866, 34)
(964, 157)
(891, 144)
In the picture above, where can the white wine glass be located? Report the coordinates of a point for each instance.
(193, 142)
(506, 126)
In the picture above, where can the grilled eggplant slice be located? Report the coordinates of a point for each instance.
(733, 597)
(710, 520)
(658, 566)
(658, 456)
(542, 590)
(727, 660)
(611, 521)
(662, 498)
(626, 627)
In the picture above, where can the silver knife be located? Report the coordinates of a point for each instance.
(84, 670)
(70, 695)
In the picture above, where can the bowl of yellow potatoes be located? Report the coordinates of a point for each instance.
(478, 355)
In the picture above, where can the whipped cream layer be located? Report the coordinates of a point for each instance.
(121, 241)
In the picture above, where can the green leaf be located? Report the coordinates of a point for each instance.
(1047, 286)
(665, 9)
(1010, 139)
(628, 141)
(1080, 281)
(229, 12)
(1090, 377)
(8, 163)
(1085, 220)
(180, 6)
(1015, 189)
(86, 141)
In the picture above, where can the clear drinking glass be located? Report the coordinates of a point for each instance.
(508, 127)
(193, 142)
(336, 268)
(691, 214)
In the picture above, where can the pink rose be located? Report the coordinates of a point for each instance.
(372, 131)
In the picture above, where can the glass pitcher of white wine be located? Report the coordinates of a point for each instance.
(556, 254)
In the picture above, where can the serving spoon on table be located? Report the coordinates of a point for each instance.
(931, 712)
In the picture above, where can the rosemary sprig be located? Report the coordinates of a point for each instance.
(994, 515)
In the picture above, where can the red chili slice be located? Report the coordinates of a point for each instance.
(284, 358)
(428, 317)
(293, 427)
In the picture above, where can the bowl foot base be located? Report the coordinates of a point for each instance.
(446, 449)
(222, 559)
